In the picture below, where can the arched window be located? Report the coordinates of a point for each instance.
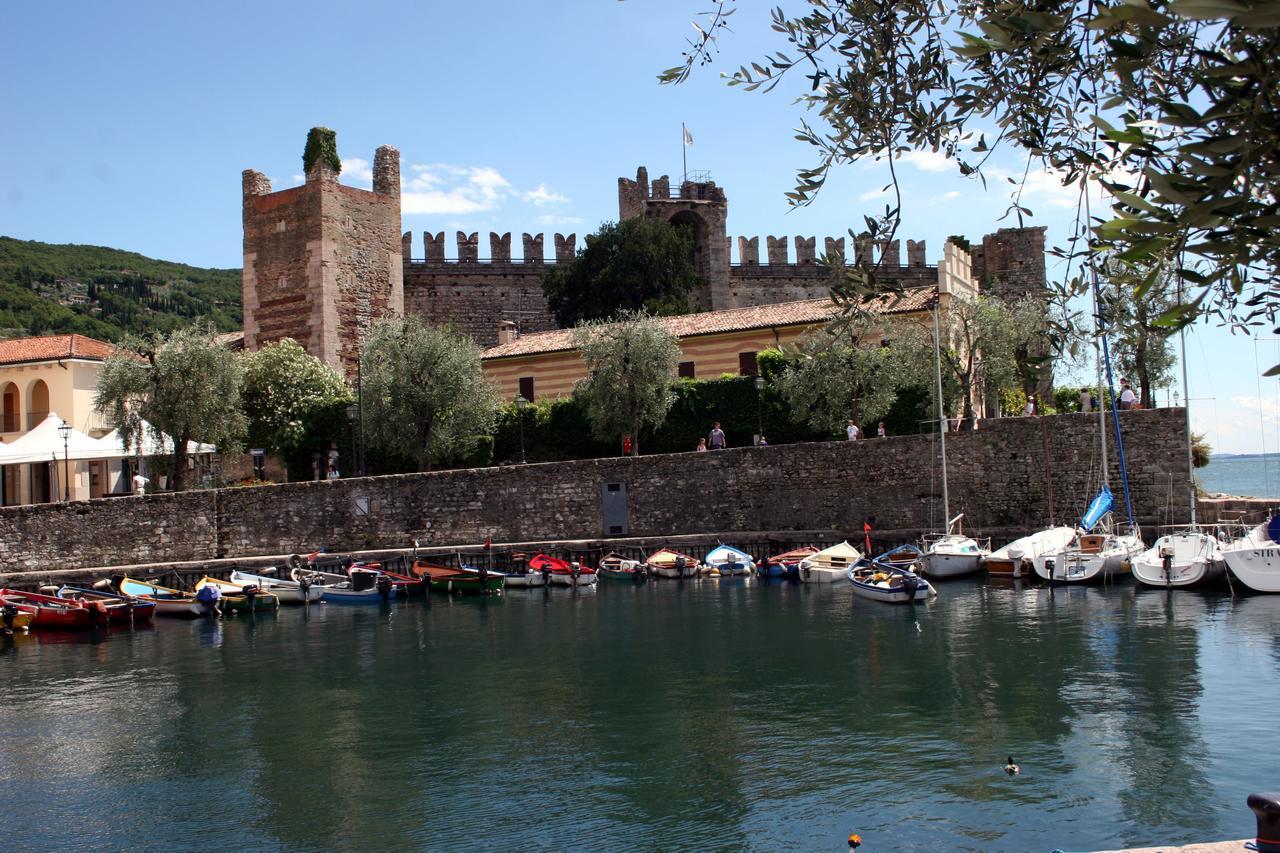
(12, 408)
(38, 405)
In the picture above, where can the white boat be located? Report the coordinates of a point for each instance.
(953, 554)
(361, 586)
(830, 564)
(727, 560)
(288, 591)
(1091, 557)
(666, 563)
(576, 576)
(1015, 559)
(1254, 559)
(1182, 559)
(888, 584)
(525, 579)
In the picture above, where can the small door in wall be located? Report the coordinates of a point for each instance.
(614, 509)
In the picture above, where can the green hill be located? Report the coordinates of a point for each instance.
(105, 293)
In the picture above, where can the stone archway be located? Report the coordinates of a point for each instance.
(37, 403)
(12, 421)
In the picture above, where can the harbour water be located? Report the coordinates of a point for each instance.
(700, 715)
(1255, 475)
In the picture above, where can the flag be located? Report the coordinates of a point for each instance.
(688, 137)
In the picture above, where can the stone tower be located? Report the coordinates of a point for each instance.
(700, 204)
(322, 260)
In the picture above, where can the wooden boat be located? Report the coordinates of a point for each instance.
(1254, 559)
(54, 613)
(888, 583)
(13, 620)
(1181, 559)
(616, 568)
(288, 591)
(359, 586)
(169, 602)
(786, 564)
(830, 564)
(666, 563)
(1015, 559)
(461, 581)
(726, 560)
(120, 608)
(248, 598)
(404, 584)
(563, 572)
(519, 573)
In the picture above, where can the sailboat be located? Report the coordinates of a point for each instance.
(950, 554)
(1190, 556)
(1092, 557)
(1254, 559)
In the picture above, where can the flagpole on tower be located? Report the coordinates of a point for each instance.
(684, 155)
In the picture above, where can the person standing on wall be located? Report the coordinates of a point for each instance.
(716, 439)
(880, 433)
(852, 431)
(1030, 408)
(1086, 401)
(1128, 400)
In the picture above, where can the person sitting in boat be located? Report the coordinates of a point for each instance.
(209, 595)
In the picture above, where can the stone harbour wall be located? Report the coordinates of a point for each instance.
(999, 477)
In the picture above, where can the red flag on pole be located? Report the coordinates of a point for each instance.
(866, 532)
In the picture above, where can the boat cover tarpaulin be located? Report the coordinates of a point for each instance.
(1101, 506)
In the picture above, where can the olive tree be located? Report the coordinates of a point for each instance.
(425, 394)
(290, 397)
(1170, 105)
(631, 368)
(184, 384)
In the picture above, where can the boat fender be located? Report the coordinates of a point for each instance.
(855, 841)
(294, 561)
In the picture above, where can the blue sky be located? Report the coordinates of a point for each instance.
(128, 125)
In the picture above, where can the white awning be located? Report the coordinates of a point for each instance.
(45, 444)
(154, 443)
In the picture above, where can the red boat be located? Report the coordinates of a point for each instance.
(563, 572)
(51, 612)
(120, 608)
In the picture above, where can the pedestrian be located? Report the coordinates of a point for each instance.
(1128, 400)
(762, 442)
(716, 438)
(1029, 409)
(702, 446)
(1086, 401)
(880, 433)
(626, 445)
(852, 431)
(332, 469)
(140, 484)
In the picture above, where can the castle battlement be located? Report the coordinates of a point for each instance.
(434, 250)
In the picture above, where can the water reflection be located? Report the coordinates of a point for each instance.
(678, 715)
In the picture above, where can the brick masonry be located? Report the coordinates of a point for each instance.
(997, 478)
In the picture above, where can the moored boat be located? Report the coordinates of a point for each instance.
(666, 563)
(1180, 560)
(726, 560)
(953, 554)
(1254, 559)
(248, 598)
(169, 602)
(888, 583)
(616, 568)
(563, 572)
(1015, 559)
(461, 581)
(786, 564)
(54, 613)
(1092, 557)
(358, 586)
(120, 608)
(830, 564)
(288, 591)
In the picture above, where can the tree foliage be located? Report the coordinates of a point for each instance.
(639, 264)
(425, 395)
(287, 393)
(1141, 342)
(631, 366)
(1171, 105)
(184, 384)
(845, 371)
(322, 146)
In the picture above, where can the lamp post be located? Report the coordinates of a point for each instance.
(65, 430)
(759, 409)
(521, 402)
(353, 413)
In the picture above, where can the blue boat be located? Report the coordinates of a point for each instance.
(725, 560)
(785, 565)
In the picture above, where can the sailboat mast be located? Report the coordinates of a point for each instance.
(1186, 413)
(1102, 402)
(942, 417)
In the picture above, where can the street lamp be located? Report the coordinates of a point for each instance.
(521, 402)
(759, 410)
(65, 430)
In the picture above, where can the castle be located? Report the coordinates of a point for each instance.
(321, 261)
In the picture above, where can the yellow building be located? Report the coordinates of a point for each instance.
(545, 364)
(56, 373)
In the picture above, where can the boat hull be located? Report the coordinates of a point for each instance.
(570, 579)
(879, 586)
(527, 580)
(1083, 567)
(820, 574)
(351, 596)
(673, 573)
(622, 575)
(1195, 559)
(951, 565)
(1255, 561)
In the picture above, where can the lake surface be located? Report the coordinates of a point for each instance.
(702, 715)
(1254, 475)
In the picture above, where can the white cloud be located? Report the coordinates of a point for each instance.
(543, 196)
(1268, 408)
(299, 178)
(555, 220)
(948, 196)
(357, 171)
(872, 195)
(928, 161)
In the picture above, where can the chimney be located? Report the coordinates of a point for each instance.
(507, 332)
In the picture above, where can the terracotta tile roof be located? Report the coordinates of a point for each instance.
(803, 313)
(54, 348)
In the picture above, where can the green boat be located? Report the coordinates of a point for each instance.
(234, 600)
(463, 581)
